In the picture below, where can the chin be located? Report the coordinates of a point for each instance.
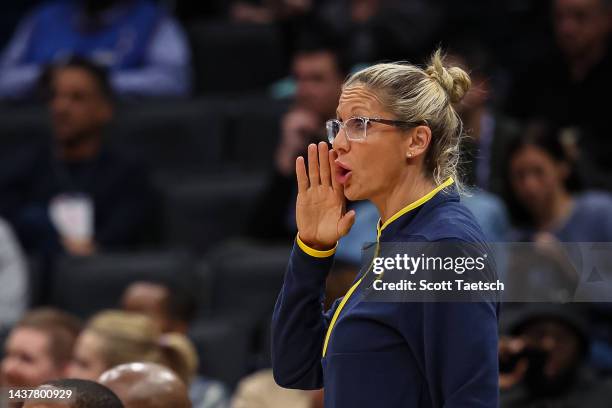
(353, 194)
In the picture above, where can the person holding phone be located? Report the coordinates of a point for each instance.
(396, 143)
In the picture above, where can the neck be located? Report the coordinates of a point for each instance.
(581, 64)
(402, 194)
(557, 212)
(81, 150)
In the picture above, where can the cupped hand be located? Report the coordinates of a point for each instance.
(321, 206)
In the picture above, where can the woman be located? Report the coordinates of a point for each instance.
(395, 143)
(541, 180)
(114, 337)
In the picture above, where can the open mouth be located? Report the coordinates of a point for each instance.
(342, 172)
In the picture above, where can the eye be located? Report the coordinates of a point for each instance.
(359, 123)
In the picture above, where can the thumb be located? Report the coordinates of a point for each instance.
(346, 222)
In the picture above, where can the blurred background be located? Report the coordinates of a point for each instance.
(147, 166)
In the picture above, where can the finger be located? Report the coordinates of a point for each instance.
(338, 188)
(302, 177)
(313, 165)
(346, 222)
(324, 164)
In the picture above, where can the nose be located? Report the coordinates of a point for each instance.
(341, 142)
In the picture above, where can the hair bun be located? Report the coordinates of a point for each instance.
(455, 81)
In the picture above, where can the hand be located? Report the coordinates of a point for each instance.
(297, 127)
(321, 206)
(79, 247)
(507, 348)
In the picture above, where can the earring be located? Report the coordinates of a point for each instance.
(409, 154)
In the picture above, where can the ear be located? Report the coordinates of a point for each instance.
(417, 143)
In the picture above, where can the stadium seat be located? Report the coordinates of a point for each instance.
(235, 57)
(21, 126)
(205, 211)
(254, 131)
(247, 276)
(171, 137)
(85, 285)
(223, 347)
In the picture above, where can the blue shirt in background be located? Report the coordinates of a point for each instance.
(144, 48)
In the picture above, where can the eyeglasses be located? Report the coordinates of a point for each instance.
(356, 128)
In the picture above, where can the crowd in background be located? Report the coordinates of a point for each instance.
(145, 110)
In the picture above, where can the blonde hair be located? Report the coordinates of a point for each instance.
(132, 337)
(427, 95)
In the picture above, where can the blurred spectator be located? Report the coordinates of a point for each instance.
(76, 194)
(541, 181)
(173, 311)
(142, 45)
(114, 337)
(269, 11)
(259, 390)
(13, 277)
(146, 385)
(38, 348)
(570, 87)
(540, 176)
(375, 30)
(319, 71)
(488, 131)
(170, 308)
(85, 394)
(542, 363)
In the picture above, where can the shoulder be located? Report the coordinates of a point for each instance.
(449, 220)
(595, 202)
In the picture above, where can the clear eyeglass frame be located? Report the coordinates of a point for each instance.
(356, 128)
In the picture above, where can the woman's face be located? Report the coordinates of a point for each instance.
(87, 362)
(535, 177)
(367, 168)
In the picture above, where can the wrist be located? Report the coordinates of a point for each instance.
(318, 250)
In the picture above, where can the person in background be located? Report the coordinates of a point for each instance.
(144, 48)
(76, 195)
(172, 310)
(574, 82)
(14, 296)
(376, 30)
(549, 212)
(543, 360)
(260, 390)
(319, 70)
(84, 394)
(39, 348)
(146, 385)
(114, 337)
(541, 182)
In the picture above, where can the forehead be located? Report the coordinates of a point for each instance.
(75, 78)
(360, 100)
(27, 338)
(314, 61)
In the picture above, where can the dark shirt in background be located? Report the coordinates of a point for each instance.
(124, 200)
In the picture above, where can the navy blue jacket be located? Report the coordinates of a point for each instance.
(388, 354)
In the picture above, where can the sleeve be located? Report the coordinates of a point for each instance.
(298, 322)
(17, 78)
(461, 361)
(13, 277)
(166, 71)
(457, 333)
